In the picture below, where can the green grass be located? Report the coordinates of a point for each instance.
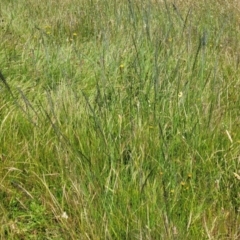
(119, 120)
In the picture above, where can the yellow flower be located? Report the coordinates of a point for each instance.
(121, 66)
(180, 94)
(74, 34)
(183, 183)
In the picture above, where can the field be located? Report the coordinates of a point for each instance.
(119, 119)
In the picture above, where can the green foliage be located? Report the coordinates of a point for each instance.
(119, 120)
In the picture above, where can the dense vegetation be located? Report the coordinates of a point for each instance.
(119, 119)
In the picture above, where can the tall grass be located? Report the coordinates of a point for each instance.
(119, 120)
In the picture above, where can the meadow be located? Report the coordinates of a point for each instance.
(119, 119)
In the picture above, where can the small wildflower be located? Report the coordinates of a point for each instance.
(64, 215)
(74, 34)
(183, 183)
(48, 29)
(172, 191)
(180, 94)
(189, 175)
(121, 66)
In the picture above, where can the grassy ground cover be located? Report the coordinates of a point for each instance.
(119, 119)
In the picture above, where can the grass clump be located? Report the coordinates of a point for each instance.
(119, 120)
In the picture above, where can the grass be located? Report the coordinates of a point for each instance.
(119, 120)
